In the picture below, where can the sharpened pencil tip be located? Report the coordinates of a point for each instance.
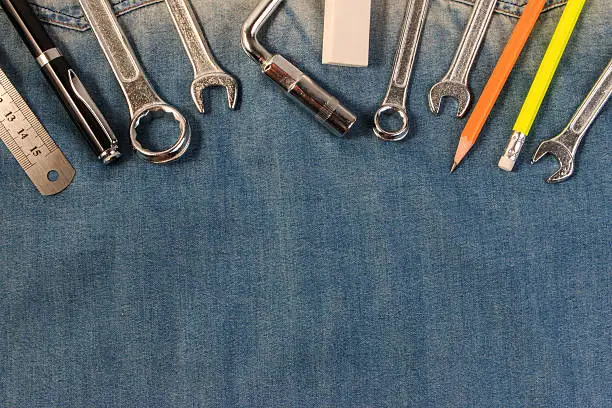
(454, 167)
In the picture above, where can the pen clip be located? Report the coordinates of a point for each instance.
(79, 90)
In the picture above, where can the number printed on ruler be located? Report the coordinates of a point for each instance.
(19, 128)
(28, 141)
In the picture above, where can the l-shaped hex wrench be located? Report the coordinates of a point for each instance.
(326, 109)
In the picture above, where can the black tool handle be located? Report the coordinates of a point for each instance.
(82, 109)
(31, 30)
(64, 80)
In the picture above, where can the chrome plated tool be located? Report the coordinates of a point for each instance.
(30, 144)
(207, 72)
(395, 100)
(140, 95)
(455, 82)
(326, 109)
(541, 83)
(64, 80)
(565, 145)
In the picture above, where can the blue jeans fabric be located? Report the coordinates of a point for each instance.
(279, 266)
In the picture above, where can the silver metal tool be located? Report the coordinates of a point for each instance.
(30, 144)
(207, 72)
(326, 109)
(141, 98)
(565, 145)
(455, 82)
(395, 100)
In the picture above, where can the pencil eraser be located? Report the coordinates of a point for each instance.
(511, 154)
(346, 32)
(506, 163)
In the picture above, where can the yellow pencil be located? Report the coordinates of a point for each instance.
(541, 82)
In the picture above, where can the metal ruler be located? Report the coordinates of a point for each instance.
(29, 142)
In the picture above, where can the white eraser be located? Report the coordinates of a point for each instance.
(506, 163)
(346, 35)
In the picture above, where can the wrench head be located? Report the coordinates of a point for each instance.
(394, 135)
(456, 90)
(562, 154)
(175, 151)
(220, 79)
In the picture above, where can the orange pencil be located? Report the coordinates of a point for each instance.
(498, 79)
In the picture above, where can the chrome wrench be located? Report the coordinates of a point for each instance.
(207, 72)
(140, 95)
(395, 100)
(455, 82)
(565, 146)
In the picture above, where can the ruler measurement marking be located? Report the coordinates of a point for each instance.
(20, 156)
(43, 135)
(34, 126)
(30, 143)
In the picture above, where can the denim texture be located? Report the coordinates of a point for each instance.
(276, 265)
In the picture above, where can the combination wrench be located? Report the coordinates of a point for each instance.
(139, 94)
(565, 146)
(455, 82)
(395, 100)
(207, 73)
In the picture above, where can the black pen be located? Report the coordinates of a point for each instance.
(62, 77)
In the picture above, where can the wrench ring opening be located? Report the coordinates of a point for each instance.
(384, 134)
(173, 152)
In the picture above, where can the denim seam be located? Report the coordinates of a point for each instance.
(114, 4)
(512, 5)
(79, 23)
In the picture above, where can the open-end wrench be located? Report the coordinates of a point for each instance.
(139, 93)
(207, 72)
(455, 82)
(565, 145)
(395, 100)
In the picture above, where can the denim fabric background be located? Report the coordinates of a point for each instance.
(279, 266)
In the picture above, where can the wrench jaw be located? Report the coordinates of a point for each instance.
(455, 90)
(216, 79)
(563, 156)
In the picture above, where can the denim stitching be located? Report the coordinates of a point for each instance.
(510, 8)
(80, 16)
(79, 23)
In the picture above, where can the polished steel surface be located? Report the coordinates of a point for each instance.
(140, 95)
(565, 146)
(30, 144)
(207, 73)
(48, 56)
(455, 82)
(326, 108)
(395, 100)
(514, 147)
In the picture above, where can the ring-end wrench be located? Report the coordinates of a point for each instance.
(326, 109)
(173, 152)
(397, 93)
(139, 94)
(391, 135)
(207, 73)
(455, 82)
(565, 146)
